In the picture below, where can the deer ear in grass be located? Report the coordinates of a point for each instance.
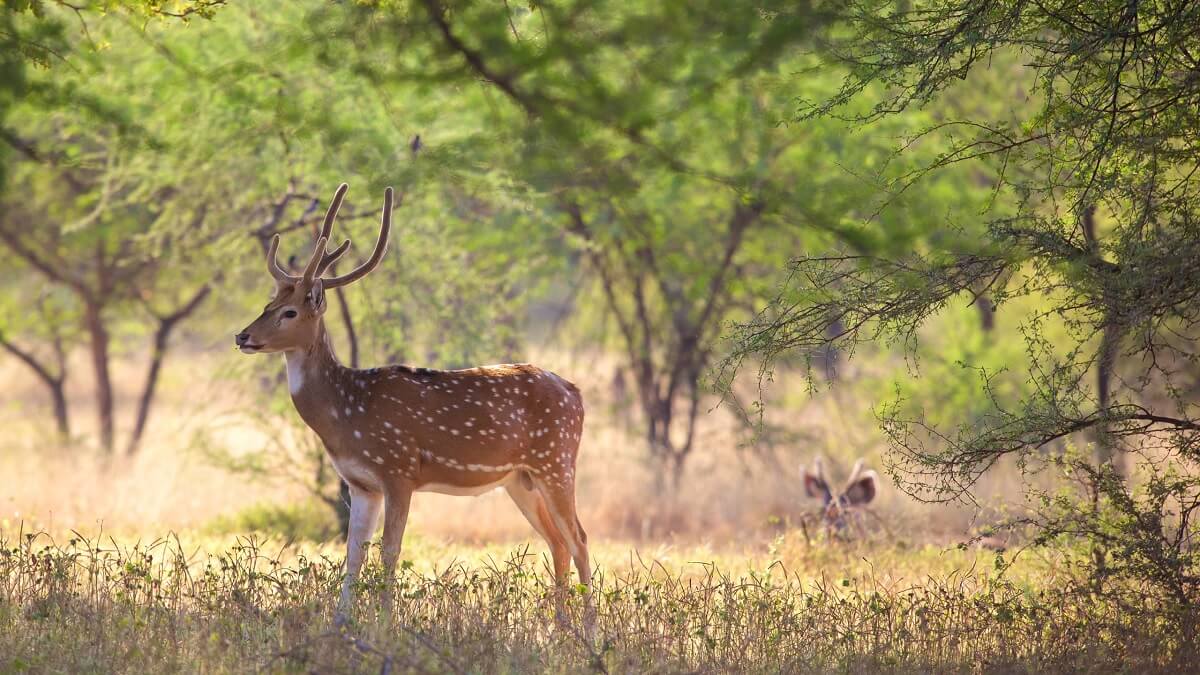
(862, 486)
(815, 485)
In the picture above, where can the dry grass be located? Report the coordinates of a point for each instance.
(100, 605)
(732, 493)
(712, 579)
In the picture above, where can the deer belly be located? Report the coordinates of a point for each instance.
(466, 490)
(357, 473)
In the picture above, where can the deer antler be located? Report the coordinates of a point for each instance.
(310, 270)
(327, 229)
(273, 265)
(326, 259)
(385, 228)
(321, 259)
(332, 211)
(329, 258)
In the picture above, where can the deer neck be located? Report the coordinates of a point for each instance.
(313, 375)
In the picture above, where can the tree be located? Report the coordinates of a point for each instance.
(93, 255)
(664, 165)
(46, 317)
(35, 34)
(1103, 233)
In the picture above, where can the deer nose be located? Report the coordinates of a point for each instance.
(241, 338)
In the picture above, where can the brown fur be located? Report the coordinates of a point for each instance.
(396, 430)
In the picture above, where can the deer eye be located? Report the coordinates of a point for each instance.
(289, 314)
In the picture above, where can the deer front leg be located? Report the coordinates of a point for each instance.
(395, 518)
(364, 515)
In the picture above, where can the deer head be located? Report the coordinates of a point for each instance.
(858, 491)
(291, 320)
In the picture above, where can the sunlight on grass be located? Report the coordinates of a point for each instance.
(72, 603)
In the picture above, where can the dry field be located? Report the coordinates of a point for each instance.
(153, 564)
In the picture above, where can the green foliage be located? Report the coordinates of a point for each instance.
(1094, 230)
(306, 521)
(147, 155)
(1137, 540)
(194, 137)
(957, 361)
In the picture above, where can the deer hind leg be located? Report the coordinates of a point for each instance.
(364, 516)
(560, 502)
(559, 498)
(533, 507)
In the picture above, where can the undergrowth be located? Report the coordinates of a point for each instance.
(92, 605)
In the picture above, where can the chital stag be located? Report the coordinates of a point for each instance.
(845, 505)
(397, 430)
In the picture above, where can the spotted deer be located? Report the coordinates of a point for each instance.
(844, 506)
(396, 430)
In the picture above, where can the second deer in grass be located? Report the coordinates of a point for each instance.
(844, 506)
(397, 430)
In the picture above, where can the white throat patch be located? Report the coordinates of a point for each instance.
(295, 373)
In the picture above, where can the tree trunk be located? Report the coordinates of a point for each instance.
(58, 391)
(660, 419)
(619, 405)
(55, 383)
(1107, 451)
(161, 337)
(143, 410)
(98, 332)
(676, 469)
(341, 508)
(987, 313)
(62, 419)
(348, 323)
(657, 417)
(828, 355)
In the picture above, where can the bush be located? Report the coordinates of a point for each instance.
(305, 521)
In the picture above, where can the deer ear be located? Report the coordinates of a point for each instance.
(815, 486)
(862, 490)
(316, 296)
